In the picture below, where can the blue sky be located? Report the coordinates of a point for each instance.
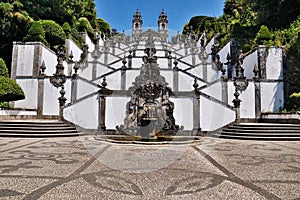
(118, 13)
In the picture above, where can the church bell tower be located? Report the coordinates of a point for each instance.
(163, 25)
(137, 23)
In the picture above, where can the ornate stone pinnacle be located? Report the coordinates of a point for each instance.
(195, 85)
(124, 63)
(255, 71)
(42, 69)
(175, 63)
(104, 83)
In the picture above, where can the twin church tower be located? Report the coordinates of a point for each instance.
(137, 23)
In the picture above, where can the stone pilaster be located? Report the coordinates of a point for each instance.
(196, 114)
(175, 80)
(257, 99)
(123, 79)
(74, 83)
(94, 70)
(101, 112)
(14, 62)
(37, 60)
(40, 100)
(224, 91)
(262, 62)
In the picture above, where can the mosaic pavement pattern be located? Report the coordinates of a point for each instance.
(82, 168)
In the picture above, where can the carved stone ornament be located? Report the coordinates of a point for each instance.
(241, 83)
(59, 78)
(149, 113)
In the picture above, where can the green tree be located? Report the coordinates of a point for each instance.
(263, 35)
(9, 89)
(3, 68)
(14, 24)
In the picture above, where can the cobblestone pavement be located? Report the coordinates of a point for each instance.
(83, 168)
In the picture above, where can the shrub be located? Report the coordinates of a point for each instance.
(3, 68)
(67, 28)
(4, 105)
(10, 90)
(263, 35)
(295, 101)
(85, 26)
(54, 33)
(36, 33)
(103, 26)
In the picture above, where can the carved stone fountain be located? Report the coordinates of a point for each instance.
(149, 113)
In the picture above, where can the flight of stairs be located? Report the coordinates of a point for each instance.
(260, 131)
(36, 128)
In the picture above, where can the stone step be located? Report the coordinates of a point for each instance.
(245, 130)
(261, 134)
(247, 137)
(260, 131)
(262, 125)
(40, 135)
(36, 128)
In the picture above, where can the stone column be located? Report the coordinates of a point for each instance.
(262, 61)
(102, 94)
(130, 60)
(74, 88)
(237, 103)
(175, 76)
(40, 100)
(101, 111)
(257, 99)
(224, 84)
(196, 109)
(169, 60)
(94, 70)
(37, 60)
(123, 79)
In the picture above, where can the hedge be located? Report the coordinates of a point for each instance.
(36, 33)
(3, 68)
(85, 26)
(54, 33)
(295, 101)
(10, 90)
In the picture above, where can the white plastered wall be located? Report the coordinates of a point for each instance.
(30, 88)
(115, 111)
(25, 60)
(214, 115)
(83, 113)
(274, 66)
(272, 98)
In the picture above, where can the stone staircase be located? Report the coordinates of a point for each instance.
(36, 128)
(260, 131)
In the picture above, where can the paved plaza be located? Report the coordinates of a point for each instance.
(211, 168)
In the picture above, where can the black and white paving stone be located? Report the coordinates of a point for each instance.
(84, 168)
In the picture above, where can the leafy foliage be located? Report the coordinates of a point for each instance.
(85, 26)
(9, 89)
(263, 34)
(36, 33)
(54, 33)
(295, 101)
(17, 16)
(256, 22)
(3, 68)
(14, 24)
